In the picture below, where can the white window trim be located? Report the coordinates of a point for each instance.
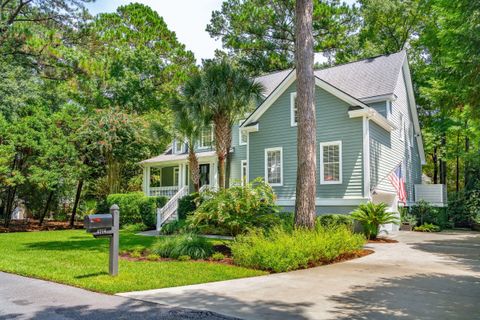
(242, 163)
(293, 96)
(176, 170)
(175, 147)
(240, 142)
(340, 166)
(401, 128)
(200, 141)
(281, 166)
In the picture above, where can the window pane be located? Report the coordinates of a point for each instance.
(331, 162)
(274, 167)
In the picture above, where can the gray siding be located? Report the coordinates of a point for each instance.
(380, 107)
(333, 124)
(239, 154)
(387, 150)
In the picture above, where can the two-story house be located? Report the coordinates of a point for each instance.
(367, 126)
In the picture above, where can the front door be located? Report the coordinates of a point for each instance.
(204, 174)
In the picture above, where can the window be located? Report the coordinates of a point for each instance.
(273, 166)
(242, 135)
(293, 109)
(244, 172)
(331, 162)
(177, 146)
(402, 127)
(206, 138)
(176, 172)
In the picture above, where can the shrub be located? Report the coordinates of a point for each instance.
(184, 258)
(174, 227)
(153, 257)
(425, 213)
(334, 220)
(134, 227)
(218, 256)
(136, 254)
(406, 217)
(371, 216)
(183, 245)
(282, 250)
(427, 227)
(237, 209)
(135, 207)
(187, 205)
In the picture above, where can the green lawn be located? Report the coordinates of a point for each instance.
(76, 258)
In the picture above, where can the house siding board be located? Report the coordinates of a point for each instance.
(387, 150)
(333, 124)
(380, 107)
(239, 154)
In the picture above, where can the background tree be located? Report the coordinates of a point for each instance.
(306, 191)
(262, 35)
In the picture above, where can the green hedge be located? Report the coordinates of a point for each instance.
(186, 205)
(135, 207)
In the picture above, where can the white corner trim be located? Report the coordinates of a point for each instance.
(281, 166)
(340, 167)
(366, 158)
(326, 201)
(374, 116)
(293, 96)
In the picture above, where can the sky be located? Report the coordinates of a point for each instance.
(188, 18)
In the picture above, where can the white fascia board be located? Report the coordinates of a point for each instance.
(373, 115)
(385, 97)
(413, 110)
(253, 128)
(326, 201)
(339, 93)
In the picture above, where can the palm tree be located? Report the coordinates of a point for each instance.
(188, 127)
(226, 94)
(306, 137)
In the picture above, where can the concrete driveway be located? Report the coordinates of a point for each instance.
(424, 276)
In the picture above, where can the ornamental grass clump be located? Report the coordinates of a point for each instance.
(187, 244)
(280, 250)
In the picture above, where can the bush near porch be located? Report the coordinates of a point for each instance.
(135, 207)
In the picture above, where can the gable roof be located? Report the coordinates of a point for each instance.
(361, 79)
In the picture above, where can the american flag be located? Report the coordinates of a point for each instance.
(397, 179)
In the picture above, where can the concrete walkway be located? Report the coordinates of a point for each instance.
(424, 276)
(26, 298)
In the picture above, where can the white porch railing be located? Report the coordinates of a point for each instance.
(170, 207)
(168, 192)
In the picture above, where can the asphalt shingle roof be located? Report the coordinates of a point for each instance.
(361, 79)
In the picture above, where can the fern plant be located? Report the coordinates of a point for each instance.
(371, 216)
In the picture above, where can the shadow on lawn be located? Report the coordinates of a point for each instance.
(424, 296)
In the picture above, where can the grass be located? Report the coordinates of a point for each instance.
(75, 258)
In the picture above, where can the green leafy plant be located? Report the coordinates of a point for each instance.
(187, 205)
(237, 209)
(333, 220)
(371, 216)
(153, 257)
(187, 244)
(218, 256)
(134, 227)
(184, 258)
(427, 227)
(174, 227)
(407, 218)
(282, 250)
(136, 254)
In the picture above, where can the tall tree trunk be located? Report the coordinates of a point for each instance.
(467, 162)
(457, 165)
(306, 136)
(193, 165)
(47, 205)
(223, 141)
(435, 164)
(443, 161)
(75, 202)
(12, 191)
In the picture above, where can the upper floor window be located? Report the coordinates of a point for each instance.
(178, 146)
(274, 166)
(242, 135)
(402, 127)
(293, 109)
(206, 138)
(331, 162)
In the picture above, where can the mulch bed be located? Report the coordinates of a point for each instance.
(382, 240)
(33, 225)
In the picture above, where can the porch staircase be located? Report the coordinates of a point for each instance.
(169, 211)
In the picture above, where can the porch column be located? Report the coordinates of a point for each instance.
(146, 180)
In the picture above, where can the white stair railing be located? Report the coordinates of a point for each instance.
(164, 213)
